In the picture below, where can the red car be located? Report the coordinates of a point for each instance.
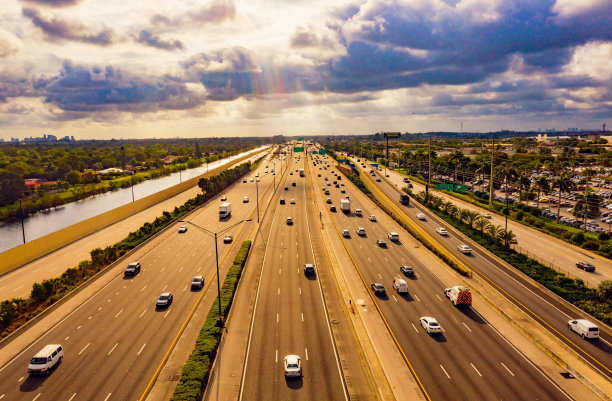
(586, 266)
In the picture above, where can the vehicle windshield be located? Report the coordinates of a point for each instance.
(38, 361)
(433, 324)
(292, 365)
(163, 298)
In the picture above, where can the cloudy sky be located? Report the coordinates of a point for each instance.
(163, 68)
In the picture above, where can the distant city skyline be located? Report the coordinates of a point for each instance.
(168, 68)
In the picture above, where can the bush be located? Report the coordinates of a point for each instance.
(591, 245)
(536, 212)
(603, 236)
(519, 216)
(604, 290)
(578, 238)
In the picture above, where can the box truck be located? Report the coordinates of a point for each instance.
(225, 210)
(345, 205)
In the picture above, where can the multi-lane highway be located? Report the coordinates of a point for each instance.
(547, 310)
(115, 341)
(470, 360)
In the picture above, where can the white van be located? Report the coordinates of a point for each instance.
(393, 236)
(585, 328)
(46, 359)
(400, 285)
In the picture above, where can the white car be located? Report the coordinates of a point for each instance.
(420, 216)
(361, 231)
(346, 233)
(223, 198)
(245, 199)
(358, 212)
(251, 180)
(430, 325)
(182, 229)
(441, 231)
(293, 366)
(289, 221)
(372, 217)
(464, 249)
(292, 201)
(228, 239)
(487, 215)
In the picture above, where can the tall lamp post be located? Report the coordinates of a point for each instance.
(215, 235)
(257, 197)
(274, 174)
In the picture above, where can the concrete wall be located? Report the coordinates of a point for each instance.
(34, 249)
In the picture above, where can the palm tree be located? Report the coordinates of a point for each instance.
(507, 237)
(565, 184)
(454, 211)
(524, 183)
(542, 184)
(447, 206)
(587, 205)
(463, 215)
(471, 217)
(481, 224)
(494, 232)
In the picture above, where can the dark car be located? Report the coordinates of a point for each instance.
(378, 288)
(381, 243)
(286, 188)
(293, 184)
(164, 300)
(332, 208)
(197, 283)
(309, 269)
(132, 269)
(407, 270)
(586, 266)
(282, 201)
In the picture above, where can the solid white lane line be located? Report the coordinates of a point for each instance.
(143, 288)
(84, 348)
(141, 348)
(444, 370)
(439, 297)
(417, 298)
(276, 357)
(118, 313)
(394, 298)
(306, 349)
(509, 371)
(466, 326)
(143, 312)
(112, 349)
(475, 369)
(166, 314)
(35, 398)
(107, 397)
(415, 329)
(302, 316)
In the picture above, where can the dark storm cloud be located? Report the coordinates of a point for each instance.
(13, 85)
(80, 89)
(57, 29)
(149, 39)
(54, 3)
(215, 12)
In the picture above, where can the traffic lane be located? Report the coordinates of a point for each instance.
(551, 313)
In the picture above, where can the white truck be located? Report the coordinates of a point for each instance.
(301, 172)
(345, 205)
(459, 295)
(225, 210)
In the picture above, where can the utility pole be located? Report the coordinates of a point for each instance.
(491, 179)
(429, 168)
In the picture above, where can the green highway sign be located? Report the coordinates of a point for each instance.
(444, 187)
(321, 151)
(392, 135)
(298, 149)
(460, 187)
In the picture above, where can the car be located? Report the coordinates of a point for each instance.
(251, 180)
(378, 180)
(361, 231)
(407, 270)
(341, 184)
(378, 288)
(420, 216)
(223, 198)
(293, 184)
(442, 231)
(487, 215)
(197, 283)
(372, 217)
(464, 249)
(291, 173)
(228, 239)
(289, 221)
(346, 233)
(164, 300)
(342, 191)
(586, 266)
(332, 208)
(245, 199)
(292, 201)
(132, 269)
(182, 229)
(381, 243)
(309, 269)
(328, 200)
(244, 181)
(293, 366)
(286, 188)
(358, 212)
(282, 201)
(318, 175)
(430, 325)
(587, 329)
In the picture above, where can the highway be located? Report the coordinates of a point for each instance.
(290, 309)
(551, 313)
(115, 341)
(469, 360)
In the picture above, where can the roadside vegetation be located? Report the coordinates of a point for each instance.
(16, 312)
(196, 371)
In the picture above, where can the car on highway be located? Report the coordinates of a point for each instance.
(585, 328)
(293, 184)
(464, 249)
(223, 198)
(420, 216)
(244, 181)
(407, 270)
(318, 175)
(346, 233)
(197, 283)
(182, 229)
(291, 173)
(378, 180)
(132, 269)
(361, 231)
(251, 180)
(381, 243)
(245, 199)
(442, 231)
(293, 366)
(586, 266)
(372, 217)
(332, 208)
(292, 201)
(309, 269)
(342, 191)
(378, 288)
(328, 200)
(282, 201)
(228, 239)
(46, 360)
(164, 300)
(487, 215)
(289, 221)
(430, 325)
(358, 212)
(286, 188)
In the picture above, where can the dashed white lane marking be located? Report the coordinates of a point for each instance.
(417, 298)
(84, 348)
(143, 288)
(476, 369)
(439, 297)
(394, 298)
(277, 317)
(35, 398)
(467, 327)
(415, 329)
(141, 348)
(107, 397)
(444, 370)
(112, 349)
(278, 290)
(164, 289)
(306, 350)
(71, 398)
(143, 312)
(118, 313)
(276, 357)
(509, 371)
(166, 314)
(303, 320)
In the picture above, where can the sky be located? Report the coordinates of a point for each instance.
(200, 68)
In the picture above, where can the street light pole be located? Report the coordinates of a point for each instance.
(257, 197)
(218, 279)
(274, 175)
(21, 215)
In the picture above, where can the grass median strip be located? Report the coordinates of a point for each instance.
(196, 370)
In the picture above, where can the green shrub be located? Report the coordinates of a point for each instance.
(536, 212)
(578, 238)
(590, 245)
(519, 216)
(603, 236)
